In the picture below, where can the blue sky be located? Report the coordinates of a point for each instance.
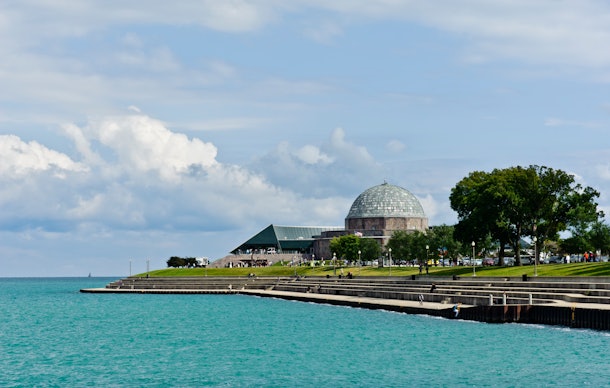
(133, 133)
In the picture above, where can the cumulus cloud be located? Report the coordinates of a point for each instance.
(19, 158)
(325, 170)
(354, 154)
(143, 144)
(138, 174)
(312, 155)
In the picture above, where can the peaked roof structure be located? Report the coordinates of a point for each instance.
(285, 237)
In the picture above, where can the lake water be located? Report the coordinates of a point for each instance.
(53, 335)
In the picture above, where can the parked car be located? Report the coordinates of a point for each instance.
(526, 260)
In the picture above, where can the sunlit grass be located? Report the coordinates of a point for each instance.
(550, 270)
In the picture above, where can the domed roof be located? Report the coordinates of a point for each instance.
(386, 200)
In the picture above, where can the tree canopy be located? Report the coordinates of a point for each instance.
(347, 248)
(516, 202)
(411, 246)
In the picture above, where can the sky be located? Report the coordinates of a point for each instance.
(134, 131)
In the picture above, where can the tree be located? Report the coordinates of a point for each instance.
(369, 249)
(176, 262)
(347, 247)
(442, 242)
(410, 246)
(517, 202)
(599, 237)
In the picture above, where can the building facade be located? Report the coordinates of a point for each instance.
(377, 213)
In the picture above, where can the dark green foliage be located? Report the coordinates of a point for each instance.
(411, 246)
(508, 204)
(347, 247)
(179, 262)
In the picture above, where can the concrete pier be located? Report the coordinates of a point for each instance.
(572, 302)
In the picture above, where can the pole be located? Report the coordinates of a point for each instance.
(359, 261)
(474, 264)
(390, 259)
(535, 257)
(427, 248)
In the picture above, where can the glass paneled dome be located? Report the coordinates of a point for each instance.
(386, 200)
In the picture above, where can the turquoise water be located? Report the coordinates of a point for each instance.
(53, 335)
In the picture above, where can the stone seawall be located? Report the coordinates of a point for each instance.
(578, 303)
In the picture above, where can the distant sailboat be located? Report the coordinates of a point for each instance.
(89, 274)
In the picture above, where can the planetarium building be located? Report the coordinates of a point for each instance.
(376, 213)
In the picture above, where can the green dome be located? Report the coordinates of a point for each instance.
(386, 200)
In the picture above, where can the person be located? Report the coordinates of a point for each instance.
(420, 268)
(456, 309)
(433, 287)
(421, 298)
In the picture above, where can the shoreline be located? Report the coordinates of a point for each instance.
(543, 302)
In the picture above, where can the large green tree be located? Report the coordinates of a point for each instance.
(516, 202)
(599, 236)
(411, 246)
(369, 249)
(347, 248)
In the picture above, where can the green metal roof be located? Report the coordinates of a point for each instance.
(285, 237)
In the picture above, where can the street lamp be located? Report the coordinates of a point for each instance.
(427, 248)
(359, 261)
(474, 267)
(535, 258)
(390, 251)
(334, 264)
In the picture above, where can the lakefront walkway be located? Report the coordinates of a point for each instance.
(573, 302)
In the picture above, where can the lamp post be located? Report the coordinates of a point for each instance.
(390, 259)
(334, 264)
(474, 264)
(535, 257)
(427, 248)
(359, 261)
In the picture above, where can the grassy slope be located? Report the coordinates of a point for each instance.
(577, 269)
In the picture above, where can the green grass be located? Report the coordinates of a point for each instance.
(575, 269)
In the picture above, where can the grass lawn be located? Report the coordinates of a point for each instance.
(574, 269)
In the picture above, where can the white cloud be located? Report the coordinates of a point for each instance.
(324, 32)
(395, 146)
(18, 158)
(327, 170)
(312, 155)
(350, 152)
(603, 171)
(144, 144)
(430, 206)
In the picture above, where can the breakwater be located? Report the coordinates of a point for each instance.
(570, 302)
